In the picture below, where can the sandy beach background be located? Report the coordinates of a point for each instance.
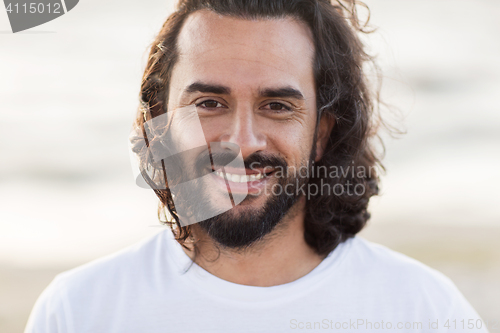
(68, 93)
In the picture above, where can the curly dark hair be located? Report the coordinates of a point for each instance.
(342, 92)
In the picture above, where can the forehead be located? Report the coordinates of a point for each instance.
(263, 47)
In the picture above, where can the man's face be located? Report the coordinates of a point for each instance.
(252, 84)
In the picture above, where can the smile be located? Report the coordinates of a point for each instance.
(239, 178)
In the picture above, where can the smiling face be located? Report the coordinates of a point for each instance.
(252, 84)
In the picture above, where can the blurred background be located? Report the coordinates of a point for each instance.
(68, 94)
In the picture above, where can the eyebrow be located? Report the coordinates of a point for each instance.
(208, 88)
(223, 90)
(282, 92)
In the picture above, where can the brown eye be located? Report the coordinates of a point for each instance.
(278, 107)
(210, 104)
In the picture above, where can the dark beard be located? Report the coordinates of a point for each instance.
(251, 225)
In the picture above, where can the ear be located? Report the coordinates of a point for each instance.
(326, 124)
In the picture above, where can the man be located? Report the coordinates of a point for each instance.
(238, 98)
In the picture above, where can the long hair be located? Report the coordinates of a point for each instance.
(342, 92)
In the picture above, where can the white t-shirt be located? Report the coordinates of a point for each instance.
(150, 288)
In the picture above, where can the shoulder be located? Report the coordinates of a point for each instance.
(89, 288)
(403, 284)
(377, 257)
(112, 275)
(392, 270)
(128, 263)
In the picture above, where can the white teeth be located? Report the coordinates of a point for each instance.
(239, 178)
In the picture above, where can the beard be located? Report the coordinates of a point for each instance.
(240, 230)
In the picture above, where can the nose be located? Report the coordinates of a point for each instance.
(244, 131)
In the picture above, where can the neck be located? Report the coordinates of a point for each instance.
(281, 257)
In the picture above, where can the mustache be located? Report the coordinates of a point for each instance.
(259, 160)
(256, 160)
(192, 164)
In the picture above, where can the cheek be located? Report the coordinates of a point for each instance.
(294, 143)
(214, 127)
